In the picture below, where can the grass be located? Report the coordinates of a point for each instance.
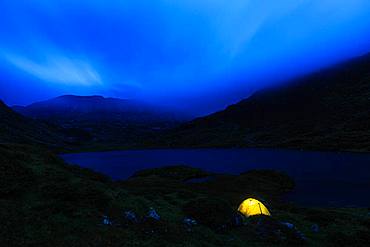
(45, 202)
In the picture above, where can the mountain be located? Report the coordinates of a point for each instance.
(95, 122)
(15, 128)
(73, 108)
(328, 110)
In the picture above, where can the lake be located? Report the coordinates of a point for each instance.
(323, 178)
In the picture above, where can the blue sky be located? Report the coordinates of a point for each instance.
(196, 54)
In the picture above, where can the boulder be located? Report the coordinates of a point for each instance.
(153, 214)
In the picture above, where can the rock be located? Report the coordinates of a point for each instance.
(295, 233)
(267, 229)
(106, 220)
(289, 225)
(190, 222)
(300, 236)
(315, 228)
(131, 217)
(153, 214)
(272, 231)
(237, 220)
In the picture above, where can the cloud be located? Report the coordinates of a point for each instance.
(57, 69)
(172, 50)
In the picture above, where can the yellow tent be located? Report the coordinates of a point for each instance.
(252, 207)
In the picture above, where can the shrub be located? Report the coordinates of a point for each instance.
(320, 217)
(77, 194)
(214, 213)
(277, 180)
(12, 224)
(14, 178)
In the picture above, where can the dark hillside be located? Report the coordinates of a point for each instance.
(328, 110)
(15, 128)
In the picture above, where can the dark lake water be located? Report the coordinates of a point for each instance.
(323, 178)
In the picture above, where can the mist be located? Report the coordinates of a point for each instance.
(195, 55)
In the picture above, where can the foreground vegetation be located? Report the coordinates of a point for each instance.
(45, 202)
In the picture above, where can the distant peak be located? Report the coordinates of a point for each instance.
(80, 97)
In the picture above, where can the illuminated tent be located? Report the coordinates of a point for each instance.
(252, 207)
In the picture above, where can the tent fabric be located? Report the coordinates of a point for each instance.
(251, 206)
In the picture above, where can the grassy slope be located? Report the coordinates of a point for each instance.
(327, 111)
(15, 128)
(44, 202)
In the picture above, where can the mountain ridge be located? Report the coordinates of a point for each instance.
(99, 123)
(68, 106)
(327, 110)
